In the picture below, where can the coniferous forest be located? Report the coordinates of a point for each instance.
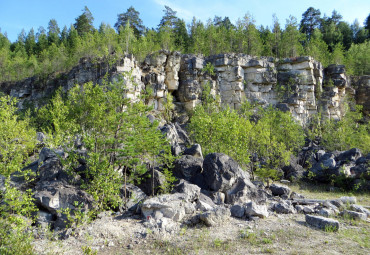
(328, 39)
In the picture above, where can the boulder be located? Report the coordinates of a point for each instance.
(47, 153)
(132, 197)
(325, 212)
(195, 151)
(350, 155)
(215, 217)
(237, 211)
(252, 209)
(44, 219)
(187, 167)
(348, 200)
(55, 196)
(354, 215)
(52, 170)
(284, 207)
(323, 223)
(217, 198)
(151, 181)
(293, 171)
(360, 209)
(244, 191)
(178, 138)
(280, 190)
(191, 191)
(221, 172)
(170, 206)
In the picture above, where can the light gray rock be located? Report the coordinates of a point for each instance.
(348, 200)
(191, 191)
(308, 210)
(360, 209)
(44, 219)
(55, 196)
(215, 217)
(323, 223)
(203, 206)
(171, 206)
(253, 209)
(325, 212)
(195, 151)
(354, 215)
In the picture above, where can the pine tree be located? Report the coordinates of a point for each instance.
(84, 22)
(310, 21)
(136, 23)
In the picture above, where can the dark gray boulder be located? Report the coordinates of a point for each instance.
(187, 167)
(280, 190)
(293, 171)
(237, 211)
(350, 155)
(221, 172)
(151, 182)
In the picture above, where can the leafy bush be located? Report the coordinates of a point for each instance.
(16, 209)
(272, 136)
(17, 138)
(346, 133)
(118, 136)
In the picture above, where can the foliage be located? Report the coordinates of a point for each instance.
(270, 140)
(15, 210)
(118, 136)
(17, 138)
(131, 16)
(168, 107)
(50, 52)
(209, 68)
(346, 133)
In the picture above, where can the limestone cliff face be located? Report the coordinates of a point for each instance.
(300, 85)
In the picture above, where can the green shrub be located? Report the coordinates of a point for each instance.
(118, 137)
(272, 136)
(17, 138)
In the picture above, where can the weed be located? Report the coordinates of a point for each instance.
(87, 250)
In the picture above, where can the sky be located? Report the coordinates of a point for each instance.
(16, 15)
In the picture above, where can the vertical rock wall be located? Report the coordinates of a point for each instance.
(300, 85)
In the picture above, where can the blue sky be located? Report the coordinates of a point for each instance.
(18, 14)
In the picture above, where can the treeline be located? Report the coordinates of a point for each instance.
(327, 39)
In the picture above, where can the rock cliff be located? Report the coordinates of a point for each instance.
(300, 85)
